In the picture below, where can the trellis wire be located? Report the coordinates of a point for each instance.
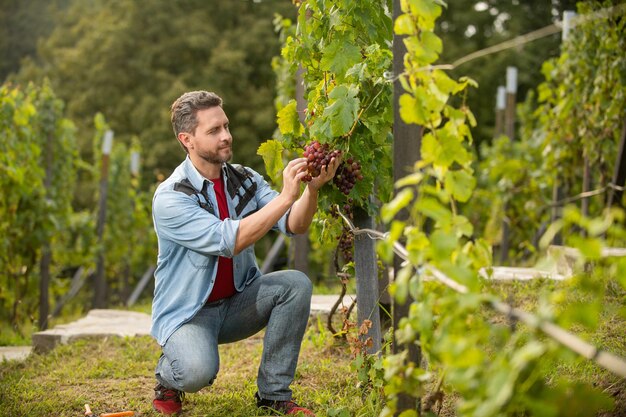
(607, 360)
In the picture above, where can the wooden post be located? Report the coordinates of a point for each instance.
(619, 174)
(511, 91)
(145, 278)
(557, 189)
(568, 20)
(134, 183)
(557, 195)
(584, 203)
(100, 285)
(406, 151)
(46, 252)
(509, 131)
(366, 269)
(500, 107)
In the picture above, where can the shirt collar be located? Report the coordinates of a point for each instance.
(194, 176)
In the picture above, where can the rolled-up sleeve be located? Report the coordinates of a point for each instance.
(179, 218)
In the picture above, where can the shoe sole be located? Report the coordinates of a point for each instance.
(162, 413)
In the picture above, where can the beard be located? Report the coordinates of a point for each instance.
(217, 157)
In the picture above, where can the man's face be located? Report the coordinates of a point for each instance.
(211, 140)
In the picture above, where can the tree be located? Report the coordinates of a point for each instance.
(22, 24)
(130, 61)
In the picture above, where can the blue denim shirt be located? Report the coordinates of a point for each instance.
(190, 241)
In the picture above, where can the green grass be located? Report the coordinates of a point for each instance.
(117, 374)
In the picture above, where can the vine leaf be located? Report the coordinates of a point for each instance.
(460, 184)
(271, 151)
(288, 120)
(339, 56)
(411, 112)
(343, 110)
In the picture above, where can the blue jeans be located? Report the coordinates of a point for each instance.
(279, 301)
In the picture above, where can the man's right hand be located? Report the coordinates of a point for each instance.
(292, 177)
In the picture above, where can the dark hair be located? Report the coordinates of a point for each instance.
(186, 107)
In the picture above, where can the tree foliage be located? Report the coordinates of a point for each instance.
(130, 61)
(22, 24)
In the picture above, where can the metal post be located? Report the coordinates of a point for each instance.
(46, 252)
(100, 285)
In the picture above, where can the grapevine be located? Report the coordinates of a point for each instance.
(437, 194)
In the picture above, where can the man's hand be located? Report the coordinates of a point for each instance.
(292, 176)
(326, 174)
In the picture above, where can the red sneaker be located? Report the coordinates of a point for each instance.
(285, 408)
(167, 400)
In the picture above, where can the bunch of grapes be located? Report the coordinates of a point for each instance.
(346, 209)
(346, 245)
(348, 173)
(318, 155)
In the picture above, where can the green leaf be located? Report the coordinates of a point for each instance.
(460, 184)
(271, 151)
(411, 179)
(432, 208)
(339, 56)
(400, 201)
(431, 42)
(23, 114)
(288, 120)
(404, 25)
(343, 109)
(431, 149)
(452, 148)
(442, 245)
(462, 226)
(426, 9)
(410, 111)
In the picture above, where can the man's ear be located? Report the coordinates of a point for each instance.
(184, 139)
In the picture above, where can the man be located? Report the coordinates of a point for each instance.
(208, 288)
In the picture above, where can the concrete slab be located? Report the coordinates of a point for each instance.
(110, 322)
(97, 323)
(14, 353)
(322, 304)
(506, 273)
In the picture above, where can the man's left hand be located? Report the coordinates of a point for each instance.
(326, 174)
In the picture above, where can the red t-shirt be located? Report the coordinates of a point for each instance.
(224, 283)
